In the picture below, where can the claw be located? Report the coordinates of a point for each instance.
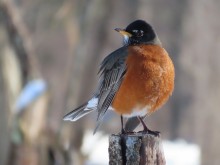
(146, 129)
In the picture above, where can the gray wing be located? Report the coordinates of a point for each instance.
(111, 71)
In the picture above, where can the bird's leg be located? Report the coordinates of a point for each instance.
(143, 124)
(146, 129)
(122, 126)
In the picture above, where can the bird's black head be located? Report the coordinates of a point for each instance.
(138, 32)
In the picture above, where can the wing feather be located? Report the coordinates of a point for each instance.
(111, 71)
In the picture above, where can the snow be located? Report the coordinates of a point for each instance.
(31, 91)
(96, 147)
(181, 153)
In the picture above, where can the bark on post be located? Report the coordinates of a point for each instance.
(135, 149)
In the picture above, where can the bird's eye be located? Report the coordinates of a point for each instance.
(138, 33)
(135, 31)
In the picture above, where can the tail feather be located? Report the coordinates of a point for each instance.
(83, 110)
(83, 113)
(77, 113)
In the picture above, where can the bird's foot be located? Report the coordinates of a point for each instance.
(148, 131)
(123, 131)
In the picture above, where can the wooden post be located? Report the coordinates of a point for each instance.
(136, 149)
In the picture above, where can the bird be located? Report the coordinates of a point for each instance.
(135, 80)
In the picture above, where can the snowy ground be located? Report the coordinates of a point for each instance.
(181, 153)
(175, 152)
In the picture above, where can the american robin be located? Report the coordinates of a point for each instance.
(135, 80)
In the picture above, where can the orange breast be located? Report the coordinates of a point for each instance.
(148, 82)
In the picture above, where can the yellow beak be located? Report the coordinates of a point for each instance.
(123, 32)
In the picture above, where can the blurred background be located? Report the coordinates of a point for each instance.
(49, 57)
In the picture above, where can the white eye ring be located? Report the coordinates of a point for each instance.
(139, 33)
(135, 31)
